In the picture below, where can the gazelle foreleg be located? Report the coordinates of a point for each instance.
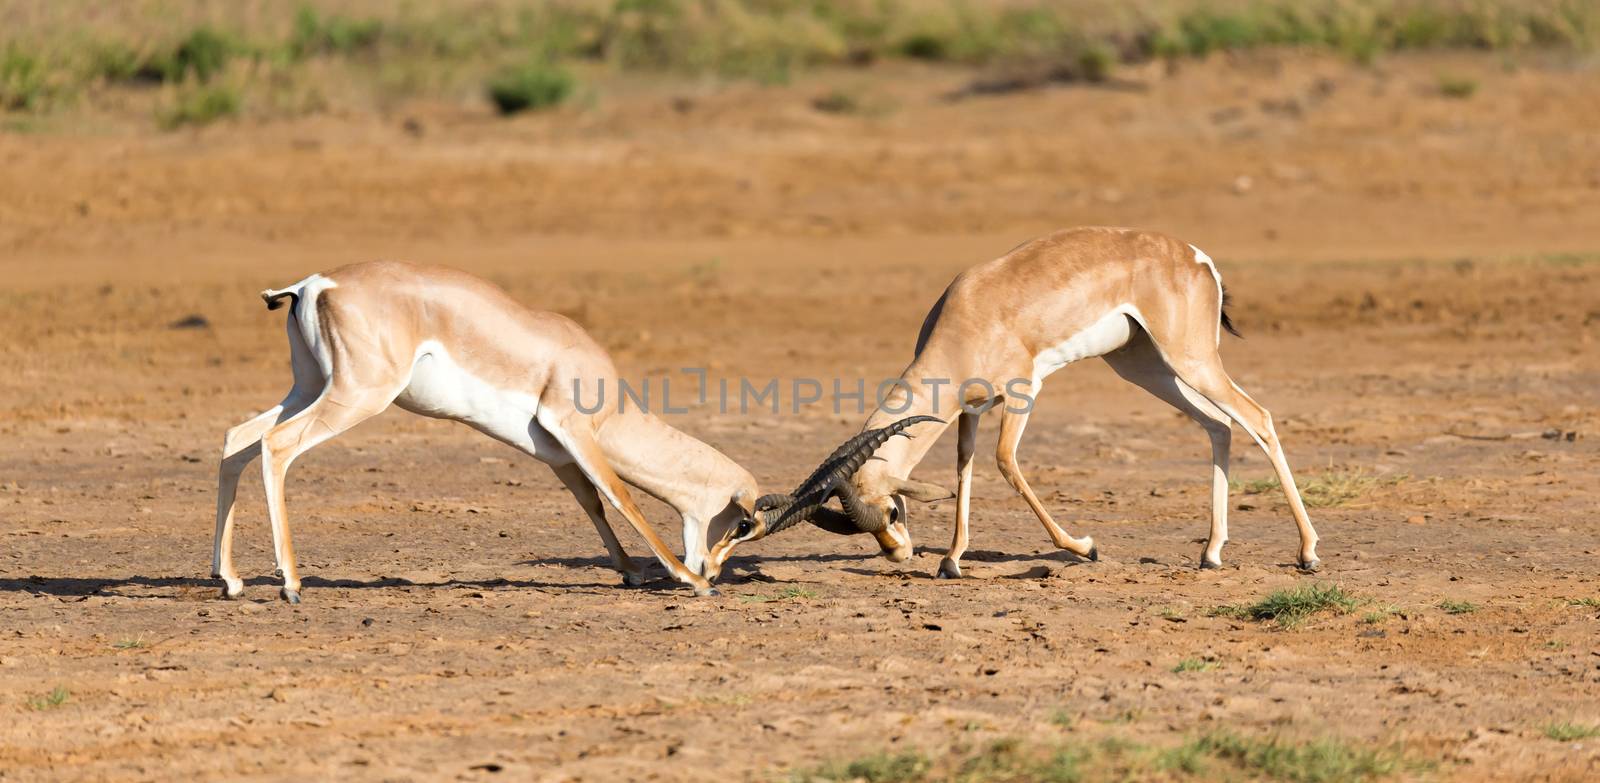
(966, 447)
(1140, 364)
(1013, 420)
(573, 433)
(589, 499)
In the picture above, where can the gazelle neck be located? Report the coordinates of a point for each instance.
(673, 467)
(924, 389)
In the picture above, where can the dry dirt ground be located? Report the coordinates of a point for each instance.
(1416, 277)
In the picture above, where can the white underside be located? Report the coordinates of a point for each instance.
(1105, 335)
(441, 388)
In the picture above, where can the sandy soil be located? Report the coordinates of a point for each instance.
(1415, 276)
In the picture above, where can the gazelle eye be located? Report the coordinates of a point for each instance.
(744, 528)
(894, 514)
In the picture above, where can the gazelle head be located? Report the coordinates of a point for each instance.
(882, 514)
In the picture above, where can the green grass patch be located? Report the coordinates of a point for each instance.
(1592, 603)
(1319, 761)
(137, 643)
(879, 768)
(200, 106)
(1323, 490)
(202, 55)
(787, 594)
(1219, 756)
(22, 80)
(1458, 87)
(1289, 608)
(1194, 665)
(55, 698)
(531, 87)
(314, 34)
(1457, 607)
(1571, 732)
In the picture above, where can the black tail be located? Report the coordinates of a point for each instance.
(1227, 323)
(274, 300)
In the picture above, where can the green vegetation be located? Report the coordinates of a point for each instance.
(1194, 665)
(21, 79)
(1570, 732)
(130, 644)
(788, 594)
(880, 768)
(1215, 756)
(1312, 762)
(438, 48)
(1291, 607)
(1457, 607)
(1323, 490)
(49, 701)
(532, 86)
(314, 34)
(1590, 602)
(1457, 87)
(200, 106)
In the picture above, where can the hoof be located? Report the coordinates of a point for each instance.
(1094, 554)
(1310, 565)
(230, 594)
(948, 569)
(292, 596)
(632, 578)
(1207, 565)
(707, 592)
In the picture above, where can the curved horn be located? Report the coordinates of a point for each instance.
(785, 511)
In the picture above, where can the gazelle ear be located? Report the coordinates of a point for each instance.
(921, 491)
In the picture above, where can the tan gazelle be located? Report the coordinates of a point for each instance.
(1151, 306)
(445, 344)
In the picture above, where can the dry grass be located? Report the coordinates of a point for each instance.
(58, 53)
(1329, 489)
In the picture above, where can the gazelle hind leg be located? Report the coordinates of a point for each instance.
(589, 498)
(966, 446)
(1013, 421)
(1208, 378)
(336, 411)
(240, 447)
(1141, 364)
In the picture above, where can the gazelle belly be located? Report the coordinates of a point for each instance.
(441, 388)
(1103, 336)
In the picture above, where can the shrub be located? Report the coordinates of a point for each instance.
(314, 34)
(201, 106)
(204, 53)
(1457, 87)
(533, 87)
(21, 80)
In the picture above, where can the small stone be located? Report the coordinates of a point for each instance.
(1416, 519)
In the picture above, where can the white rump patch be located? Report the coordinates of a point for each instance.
(1201, 258)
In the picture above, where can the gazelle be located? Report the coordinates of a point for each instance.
(1151, 306)
(445, 344)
